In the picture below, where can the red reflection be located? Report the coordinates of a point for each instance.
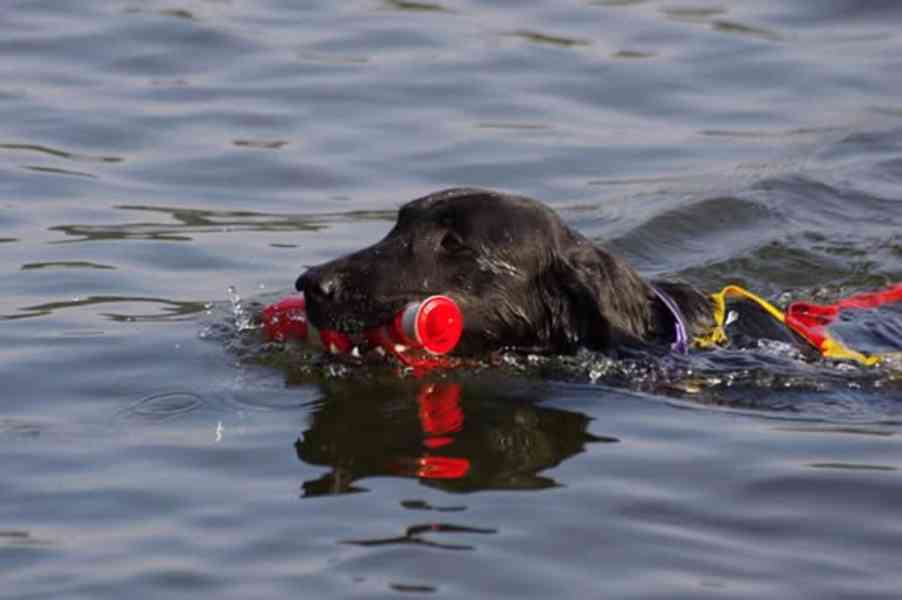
(442, 467)
(440, 416)
(440, 411)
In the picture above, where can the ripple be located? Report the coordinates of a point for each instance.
(416, 535)
(413, 588)
(423, 505)
(772, 377)
(261, 144)
(633, 55)
(768, 134)
(21, 537)
(416, 6)
(22, 428)
(537, 37)
(59, 171)
(162, 407)
(724, 26)
(189, 135)
(172, 310)
(840, 430)
(61, 153)
(191, 222)
(853, 467)
(715, 226)
(66, 264)
(616, 3)
(526, 126)
(179, 13)
(693, 14)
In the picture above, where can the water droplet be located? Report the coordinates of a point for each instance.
(243, 320)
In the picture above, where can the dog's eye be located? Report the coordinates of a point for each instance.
(452, 244)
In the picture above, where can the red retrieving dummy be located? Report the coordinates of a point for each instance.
(435, 325)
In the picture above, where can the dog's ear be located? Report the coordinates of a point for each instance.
(596, 299)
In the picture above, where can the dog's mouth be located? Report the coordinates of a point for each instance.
(360, 312)
(352, 318)
(375, 331)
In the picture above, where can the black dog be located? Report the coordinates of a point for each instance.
(522, 278)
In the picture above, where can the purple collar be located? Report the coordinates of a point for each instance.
(681, 344)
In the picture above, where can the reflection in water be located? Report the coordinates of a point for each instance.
(455, 437)
(414, 536)
(423, 505)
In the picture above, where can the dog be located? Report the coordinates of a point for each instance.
(523, 279)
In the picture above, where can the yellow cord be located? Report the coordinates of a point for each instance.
(830, 348)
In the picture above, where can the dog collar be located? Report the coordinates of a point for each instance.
(681, 344)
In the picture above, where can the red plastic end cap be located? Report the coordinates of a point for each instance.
(438, 324)
(286, 319)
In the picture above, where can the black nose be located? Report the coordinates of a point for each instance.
(325, 285)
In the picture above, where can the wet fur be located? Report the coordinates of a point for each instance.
(522, 278)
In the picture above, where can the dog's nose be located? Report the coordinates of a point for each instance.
(325, 285)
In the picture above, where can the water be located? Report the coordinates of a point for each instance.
(155, 155)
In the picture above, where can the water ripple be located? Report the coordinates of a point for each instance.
(161, 407)
(195, 144)
(190, 222)
(171, 310)
(61, 153)
(415, 535)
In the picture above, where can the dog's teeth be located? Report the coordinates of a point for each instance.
(400, 348)
(355, 352)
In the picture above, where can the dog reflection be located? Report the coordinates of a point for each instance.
(442, 436)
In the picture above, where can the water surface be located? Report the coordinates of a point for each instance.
(155, 154)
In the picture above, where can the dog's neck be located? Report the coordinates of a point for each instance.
(681, 312)
(680, 343)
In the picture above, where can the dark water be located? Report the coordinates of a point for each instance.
(155, 153)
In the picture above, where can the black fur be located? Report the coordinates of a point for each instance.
(522, 278)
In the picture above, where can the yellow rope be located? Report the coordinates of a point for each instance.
(830, 348)
(718, 335)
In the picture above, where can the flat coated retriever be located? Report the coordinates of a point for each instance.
(523, 279)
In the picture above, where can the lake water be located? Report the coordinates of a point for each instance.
(155, 154)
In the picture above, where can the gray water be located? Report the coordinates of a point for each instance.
(154, 154)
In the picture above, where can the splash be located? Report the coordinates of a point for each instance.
(774, 376)
(244, 320)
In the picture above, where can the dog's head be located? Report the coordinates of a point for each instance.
(521, 277)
